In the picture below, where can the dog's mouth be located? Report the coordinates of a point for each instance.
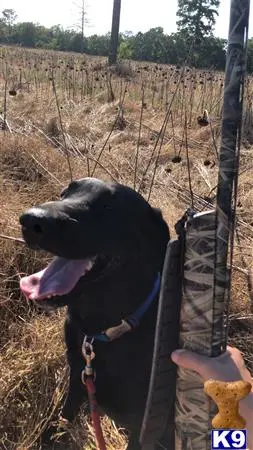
(57, 279)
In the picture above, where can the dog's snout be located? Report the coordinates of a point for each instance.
(35, 220)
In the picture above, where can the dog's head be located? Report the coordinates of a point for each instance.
(92, 225)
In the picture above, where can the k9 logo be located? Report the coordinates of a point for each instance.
(229, 439)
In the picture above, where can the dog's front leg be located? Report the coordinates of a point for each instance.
(75, 397)
(76, 391)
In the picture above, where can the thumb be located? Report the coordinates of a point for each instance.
(189, 360)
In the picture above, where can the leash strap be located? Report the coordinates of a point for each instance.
(94, 411)
(87, 377)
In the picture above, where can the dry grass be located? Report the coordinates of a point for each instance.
(34, 168)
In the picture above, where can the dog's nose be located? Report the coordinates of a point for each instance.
(35, 220)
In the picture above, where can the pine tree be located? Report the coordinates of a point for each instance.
(197, 17)
(115, 32)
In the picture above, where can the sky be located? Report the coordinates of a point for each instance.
(136, 15)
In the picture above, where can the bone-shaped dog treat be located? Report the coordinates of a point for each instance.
(227, 397)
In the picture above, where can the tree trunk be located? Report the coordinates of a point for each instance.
(114, 32)
(82, 19)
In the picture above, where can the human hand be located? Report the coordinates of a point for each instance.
(229, 366)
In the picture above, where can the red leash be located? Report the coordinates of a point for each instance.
(94, 409)
(88, 380)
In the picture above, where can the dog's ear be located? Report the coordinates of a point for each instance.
(157, 215)
(157, 234)
(157, 212)
(157, 225)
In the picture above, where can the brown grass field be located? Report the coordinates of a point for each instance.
(64, 114)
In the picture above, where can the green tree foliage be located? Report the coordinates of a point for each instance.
(98, 45)
(151, 46)
(196, 18)
(154, 45)
(125, 50)
(8, 18)
(25, 33)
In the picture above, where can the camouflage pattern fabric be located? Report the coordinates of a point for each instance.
(207, 279)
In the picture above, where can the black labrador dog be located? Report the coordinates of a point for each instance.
(109, 246)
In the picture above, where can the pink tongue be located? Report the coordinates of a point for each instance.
(58, 278)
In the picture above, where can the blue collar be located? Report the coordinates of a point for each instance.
(131, 321)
